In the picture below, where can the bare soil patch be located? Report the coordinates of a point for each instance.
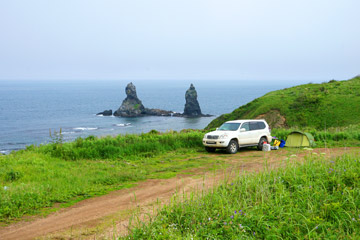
(107, 216)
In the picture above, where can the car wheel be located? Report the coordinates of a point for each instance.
(210, 149)
(261, 143)
(232, 147)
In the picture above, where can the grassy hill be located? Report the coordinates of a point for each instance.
(332, 104)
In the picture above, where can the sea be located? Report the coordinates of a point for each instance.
(32, 109)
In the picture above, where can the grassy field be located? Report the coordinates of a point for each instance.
(317, 199)
(33, 180)
(332, 104)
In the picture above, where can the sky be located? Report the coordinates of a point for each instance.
(243, 40)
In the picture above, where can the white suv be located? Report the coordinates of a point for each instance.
(239, 133)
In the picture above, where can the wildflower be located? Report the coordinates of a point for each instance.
(310, 186)
(353, 219)
(235, 212)
(225, 223)
(232, 216)
(316, 227)
(240, 226)
(254, 233)
(209, 219)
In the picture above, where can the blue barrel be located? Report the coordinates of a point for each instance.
(282, 143)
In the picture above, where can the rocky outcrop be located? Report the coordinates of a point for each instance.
(159, 112)
(274, 119)
(192, 107)
(106, 113)
(131, 106)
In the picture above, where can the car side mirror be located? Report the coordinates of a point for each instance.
(242, 130)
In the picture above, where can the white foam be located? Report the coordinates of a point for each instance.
(85, 128)
(68, 133)
(123, 124)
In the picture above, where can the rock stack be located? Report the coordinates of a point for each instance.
(131, 106)
(192, 107)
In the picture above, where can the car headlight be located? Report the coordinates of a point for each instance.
(223, 136)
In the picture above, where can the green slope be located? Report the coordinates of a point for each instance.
(332, 104)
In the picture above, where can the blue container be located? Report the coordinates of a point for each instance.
(282, 143)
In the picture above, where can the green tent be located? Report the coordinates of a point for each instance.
(300, 139)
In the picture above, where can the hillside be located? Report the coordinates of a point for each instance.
(332, 104)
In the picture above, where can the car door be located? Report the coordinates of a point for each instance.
(255, 132)
(245, 137)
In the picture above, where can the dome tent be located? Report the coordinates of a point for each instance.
(300, 139)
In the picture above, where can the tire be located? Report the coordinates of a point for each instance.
(233, 147)
(210, 149)
(261, 143)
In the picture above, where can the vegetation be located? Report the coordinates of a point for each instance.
(332, 104)
(130, 146)
(317, 199)
(34, 179)
(37, 177)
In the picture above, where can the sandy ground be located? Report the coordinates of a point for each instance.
(107, 217)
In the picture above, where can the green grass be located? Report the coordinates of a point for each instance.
(317, 199)
(33, 180)
(332, 104)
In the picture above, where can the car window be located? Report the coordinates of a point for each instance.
(246, 126)
(253, 126)
(229, 127)
(261, 125)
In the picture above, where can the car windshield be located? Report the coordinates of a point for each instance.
(229, 127)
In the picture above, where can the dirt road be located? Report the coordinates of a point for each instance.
(108, 216)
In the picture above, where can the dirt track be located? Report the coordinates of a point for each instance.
(107, 216)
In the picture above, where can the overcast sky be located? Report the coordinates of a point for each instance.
(310, 40)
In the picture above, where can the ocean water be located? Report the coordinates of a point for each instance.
(29, 110)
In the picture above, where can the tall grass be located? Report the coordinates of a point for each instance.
(319, 199)
(123, 146)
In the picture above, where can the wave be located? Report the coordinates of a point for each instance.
(85, 128)
(123, 124)
(101, 115)
(68, 133)
(5, 152)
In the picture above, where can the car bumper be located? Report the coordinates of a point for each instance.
(220, 143)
